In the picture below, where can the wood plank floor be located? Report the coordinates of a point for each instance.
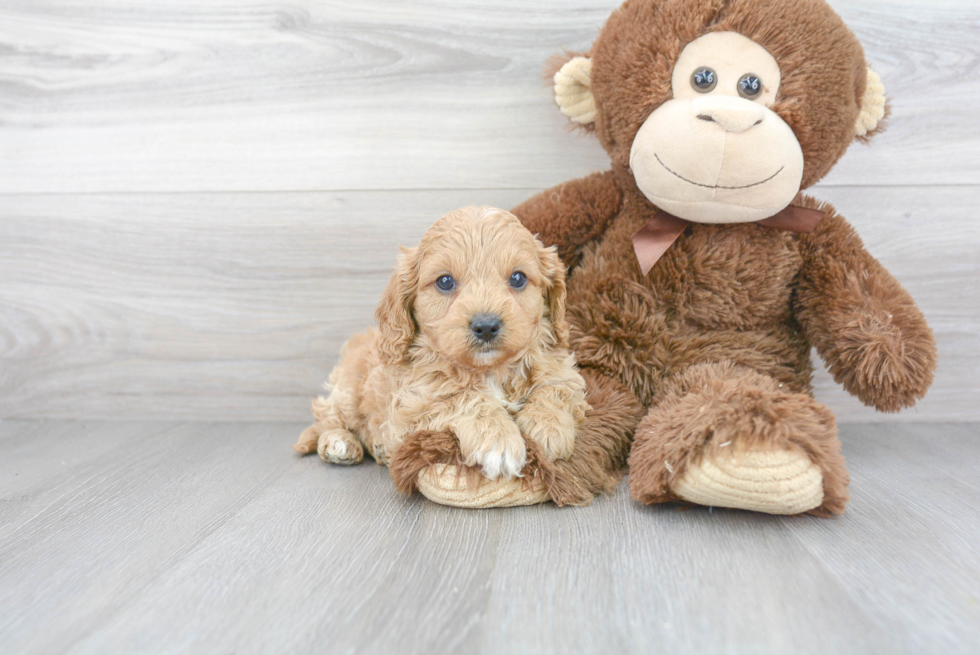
(136, 537)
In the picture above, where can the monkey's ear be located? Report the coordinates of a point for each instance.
(873, 107)
(573, 90)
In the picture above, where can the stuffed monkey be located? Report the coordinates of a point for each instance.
(700, 276)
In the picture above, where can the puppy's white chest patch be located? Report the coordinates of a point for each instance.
(496, 390)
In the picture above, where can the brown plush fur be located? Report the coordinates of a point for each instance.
(723, 324)
(722, 405)
(424, 371)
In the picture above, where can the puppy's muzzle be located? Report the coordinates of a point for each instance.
(485, 327)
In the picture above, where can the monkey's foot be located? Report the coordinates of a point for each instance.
(762, 480)
(726, 436)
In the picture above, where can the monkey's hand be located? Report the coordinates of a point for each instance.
(572, 214)
(882, 350)
(863, 323)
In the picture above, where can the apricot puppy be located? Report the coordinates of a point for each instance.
(472, 341)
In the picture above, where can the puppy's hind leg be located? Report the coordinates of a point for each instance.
(334, 445)
(339, 446)
(308, 438)
(329, 436)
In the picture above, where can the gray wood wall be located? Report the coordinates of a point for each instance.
(199, 201)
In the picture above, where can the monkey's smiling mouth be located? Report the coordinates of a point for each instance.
(716, 186)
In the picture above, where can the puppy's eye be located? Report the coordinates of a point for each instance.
(749, 86)
(518, 280)
(703, 79)
(446, 283)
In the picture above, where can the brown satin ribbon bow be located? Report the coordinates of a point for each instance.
(653, 239)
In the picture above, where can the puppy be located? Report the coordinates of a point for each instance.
(471, 341)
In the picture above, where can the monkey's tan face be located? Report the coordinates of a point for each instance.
(717, 152)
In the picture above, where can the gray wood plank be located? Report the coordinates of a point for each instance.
(233, 306)
(105, 96)
(77, 547)
(348, 557)
(660, 580)
(72, 451)
(914, 496)
(227, 542)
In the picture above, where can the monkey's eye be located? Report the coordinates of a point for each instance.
(518, 280)
(446, 283)
(704, 79)
(749, 86)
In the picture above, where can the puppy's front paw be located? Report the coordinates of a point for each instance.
(500, 450)
(503, 460)
(555, 432)
(340, 447)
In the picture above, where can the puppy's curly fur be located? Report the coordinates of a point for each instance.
(426, 371)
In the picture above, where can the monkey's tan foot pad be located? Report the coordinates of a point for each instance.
(762, 480)
(442, 484)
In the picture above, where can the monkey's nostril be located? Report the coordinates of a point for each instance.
(706, 117)
(485, 327)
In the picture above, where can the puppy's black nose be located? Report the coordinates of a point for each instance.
(485, 327)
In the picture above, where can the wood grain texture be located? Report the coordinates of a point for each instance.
(167, 249)
(102, 95)
(233, 306)
(216, 538)
(107, 526)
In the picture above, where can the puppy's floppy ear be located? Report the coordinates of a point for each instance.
(554, 270)
(394, 312)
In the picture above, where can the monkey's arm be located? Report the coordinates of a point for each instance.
(863, 323)
(572, 214)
